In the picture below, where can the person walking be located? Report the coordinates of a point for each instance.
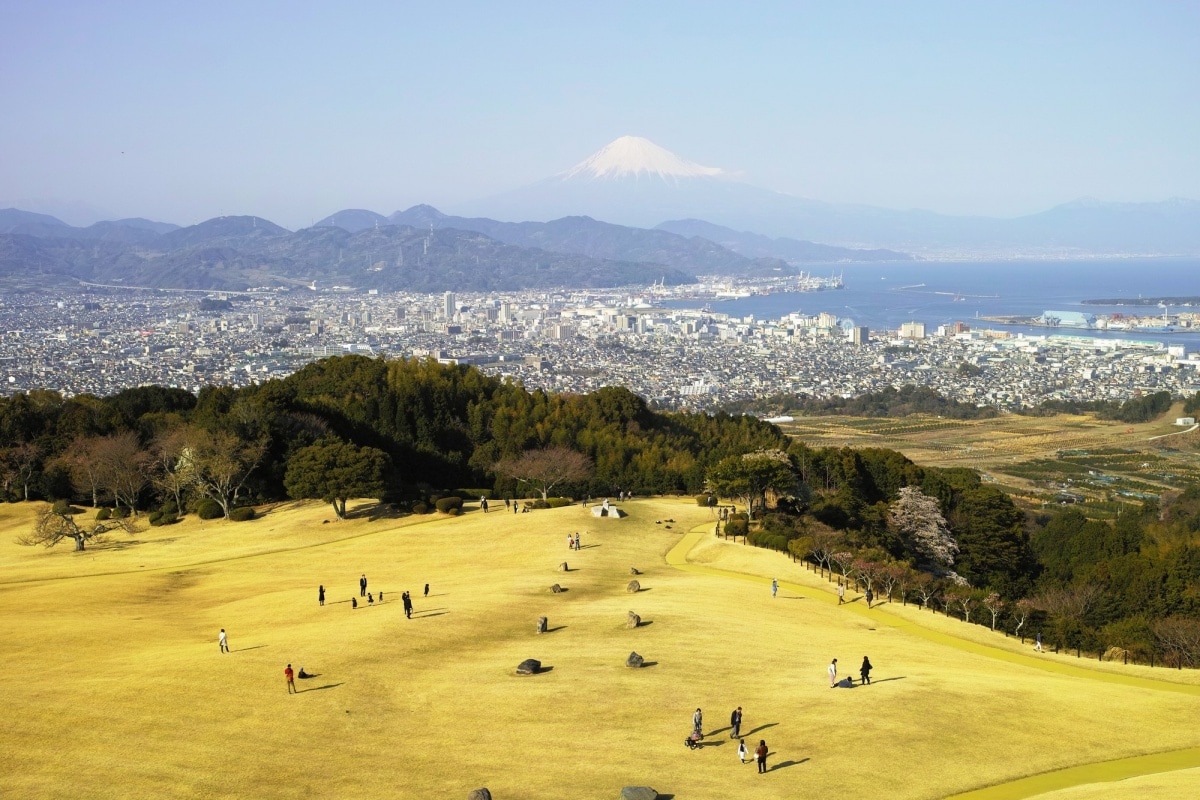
(774, 587)
(291, 680)
(698, 722)
(514, 505)
(223, 641)
(427, 590)
(760, 755)
(483, 503)
(841, 593)
(1038, 644)
(742, 751)
(407, 604)
(570, 542)
(735, 723)
(576, 540)
(870, 596)
(833, 673)
(321, 594)
(362, 585)
(353, 602)
(864, 671)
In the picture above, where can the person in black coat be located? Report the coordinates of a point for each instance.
(735, 723)
(865, 670)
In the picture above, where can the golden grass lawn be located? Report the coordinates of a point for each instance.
(115, 686)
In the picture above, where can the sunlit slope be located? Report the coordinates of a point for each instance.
(116, 688)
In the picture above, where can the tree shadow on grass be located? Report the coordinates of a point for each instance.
(319, 688)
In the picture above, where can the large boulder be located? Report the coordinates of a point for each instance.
(633, 587)
(542, 624)
(638, 793)
(635, 661)
(563, 567)
(556, 588)
(483, 794)
(529, 666)
(634, 571)
(633, 620)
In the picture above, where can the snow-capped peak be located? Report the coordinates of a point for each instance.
(635, 156)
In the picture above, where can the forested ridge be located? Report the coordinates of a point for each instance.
(411, 432)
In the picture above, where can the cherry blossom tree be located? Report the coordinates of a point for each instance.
(916, 517)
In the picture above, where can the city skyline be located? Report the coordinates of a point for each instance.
(295, 112)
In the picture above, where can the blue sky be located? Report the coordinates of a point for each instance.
(182, 111)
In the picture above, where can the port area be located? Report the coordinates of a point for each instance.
(1101, 323)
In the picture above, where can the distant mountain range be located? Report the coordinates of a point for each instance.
(420, 249)
(633, 181)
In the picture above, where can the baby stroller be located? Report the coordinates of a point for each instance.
(693, 742)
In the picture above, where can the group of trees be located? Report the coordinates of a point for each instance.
(942, 539)
(354, 427)
(402, 430)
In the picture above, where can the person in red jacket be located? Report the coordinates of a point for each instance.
(760, 755)
(291, 680)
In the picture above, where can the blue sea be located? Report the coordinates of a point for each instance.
(882, 296)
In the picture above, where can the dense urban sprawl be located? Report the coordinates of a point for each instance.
(102, 341)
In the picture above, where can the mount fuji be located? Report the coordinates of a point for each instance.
(633, 181)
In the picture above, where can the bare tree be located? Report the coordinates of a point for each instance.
(845, 564)
(962, 596)
(51, 527)
(926, 588)
(1021, 611)
(222, 463)
(825, 542)
(1069, 604)
(890, 576)
(170, 471)
(1179, 639)
(19, 464)
(546, 468)
(83, 464)
(867, 572)
(994, 604)
(123, 465)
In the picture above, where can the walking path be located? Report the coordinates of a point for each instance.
(1099, 772)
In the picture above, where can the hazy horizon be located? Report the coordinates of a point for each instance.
(293, 112)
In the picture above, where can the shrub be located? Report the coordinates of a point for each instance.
(64, 507)
(558, 502)
(705, 500)
(539, 503)
(420, 508)
(446, 503)
(474, 493)
(242, 514)
(103, 514)
(209, 509)
(169, 507)
(154, 517)
(120, 512)
(159, 518)
(736, 527)
(454, 512)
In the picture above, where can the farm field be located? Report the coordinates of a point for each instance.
(116, 688)
(1077, 458)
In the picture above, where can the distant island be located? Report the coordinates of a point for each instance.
(1145, 301)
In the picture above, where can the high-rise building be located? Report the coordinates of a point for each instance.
(860, 334)
(448, 307)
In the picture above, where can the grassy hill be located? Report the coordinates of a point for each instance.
(115, 686)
